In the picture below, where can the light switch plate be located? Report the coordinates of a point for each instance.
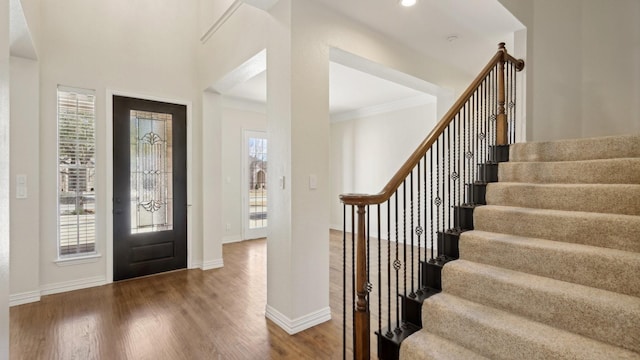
(313, 182)
(21, 179)
(21, 192)
(21, 186)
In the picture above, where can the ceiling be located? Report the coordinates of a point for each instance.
(478, 26)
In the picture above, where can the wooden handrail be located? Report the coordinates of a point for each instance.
(365, 199)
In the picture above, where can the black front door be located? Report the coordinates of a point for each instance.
(149, 187)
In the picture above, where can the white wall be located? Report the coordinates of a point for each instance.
(247, 24)
(367, 152)
(141, 47)
(583, 67)
(212, 189)
(239, 38)
(234, 121)
(25, 147)
(210, 12)
(31, 11)
(4, 179)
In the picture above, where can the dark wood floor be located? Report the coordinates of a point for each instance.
(216, 314)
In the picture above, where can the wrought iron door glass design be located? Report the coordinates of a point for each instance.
(151, 172)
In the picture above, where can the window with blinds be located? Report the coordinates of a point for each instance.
(77, 170)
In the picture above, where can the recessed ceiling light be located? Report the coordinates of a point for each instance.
(407, 3)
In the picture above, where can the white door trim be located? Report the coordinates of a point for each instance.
(109, 170)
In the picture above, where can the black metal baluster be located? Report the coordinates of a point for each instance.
(419, 230)
(513, 101)
(447, 200)
(404, 237)
(437, 200)
(488, 119)
(507, 99)
(489, 110)
(459, 143)
(353, 269)
(425, 206)
(389, 334)
(494, 118)
(483, 125)
(442, 194)
(379, 276)
(431, 199)
(467, 146)
(413, 291)
(368, 264)
(476, 136)
(397, 265)
(454, 174)
(495, 123)
(469, 152)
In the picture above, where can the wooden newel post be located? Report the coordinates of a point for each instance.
(501, 125)
(361, 311)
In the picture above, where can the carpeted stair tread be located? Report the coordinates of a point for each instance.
(603, 198)
(427, 346)
(604, 230)
(610, 147)
(607, 269)
(598, 314)
(497, 334)
(608, 171)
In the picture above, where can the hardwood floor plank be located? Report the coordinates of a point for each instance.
(190, 314)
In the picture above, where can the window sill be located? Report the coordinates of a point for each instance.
(77, 260)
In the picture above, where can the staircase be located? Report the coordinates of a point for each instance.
(551, 269)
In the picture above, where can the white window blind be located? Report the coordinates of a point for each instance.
(76, 168)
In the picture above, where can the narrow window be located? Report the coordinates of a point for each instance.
(77, 172)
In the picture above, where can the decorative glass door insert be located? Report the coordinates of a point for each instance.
(151, 172)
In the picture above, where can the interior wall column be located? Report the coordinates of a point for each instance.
(4, 179)
(298, 130)
(212, 181)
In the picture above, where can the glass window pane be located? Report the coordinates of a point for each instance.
(257, 183)
(76, 172)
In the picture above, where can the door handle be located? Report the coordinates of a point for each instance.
(117, 211)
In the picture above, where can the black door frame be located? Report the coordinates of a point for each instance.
(109, 246)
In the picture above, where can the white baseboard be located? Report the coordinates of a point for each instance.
(24, 298)
(65, 286)
(231, 239)
(335, 227)
(293, 326)
(212, 264)
(195, 265)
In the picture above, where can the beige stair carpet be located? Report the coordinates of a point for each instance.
(552, 269)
